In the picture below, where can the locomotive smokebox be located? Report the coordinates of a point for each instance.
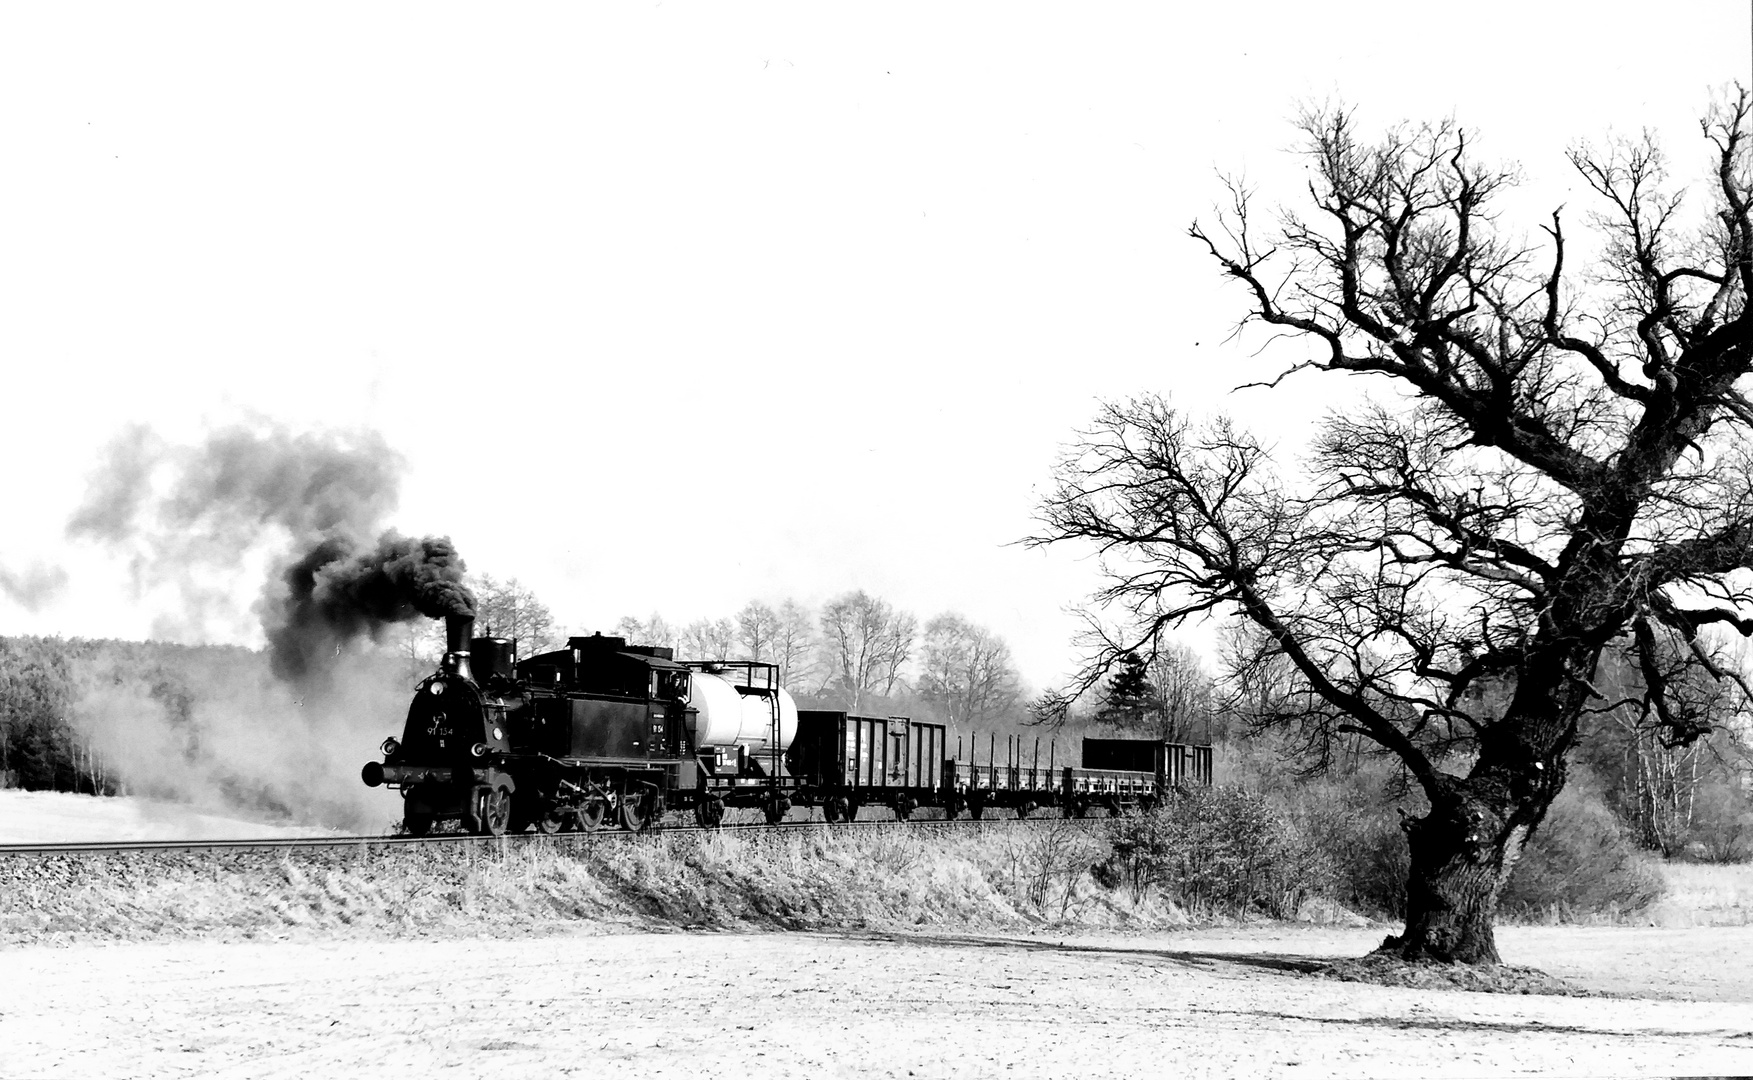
(457, 631)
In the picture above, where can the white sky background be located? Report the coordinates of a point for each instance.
(849, 275)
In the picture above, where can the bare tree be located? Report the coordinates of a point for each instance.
(1180, 710)
(510, 609)
(794, 643)
(968, 670)
(1264, 690)
(418, 644)
(709, 639)
(758, 630)
(1652, 781)
(867, 642)
(653, 631)
(1564, 472)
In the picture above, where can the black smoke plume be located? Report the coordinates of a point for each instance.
(297, 520)
(336, 595)
(186, 516)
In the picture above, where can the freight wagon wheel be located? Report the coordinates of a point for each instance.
(903, 808)
(976, 807)
(709, 812)
(590, 816)
(1024, 809)
(831, 809)
(776, 810)
(1113, 807)
(850, 809)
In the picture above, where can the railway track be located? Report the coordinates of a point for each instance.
(467, 839)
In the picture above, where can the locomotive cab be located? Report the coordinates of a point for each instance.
(604, 699)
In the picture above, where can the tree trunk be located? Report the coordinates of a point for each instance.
(1462, 853)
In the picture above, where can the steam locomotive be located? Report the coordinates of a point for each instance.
(607, 731)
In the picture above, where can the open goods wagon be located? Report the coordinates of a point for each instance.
(841, 762)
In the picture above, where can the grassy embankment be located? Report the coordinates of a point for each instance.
(1001, 878)
(992, 878)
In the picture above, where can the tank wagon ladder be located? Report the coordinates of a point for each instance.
(777, 804)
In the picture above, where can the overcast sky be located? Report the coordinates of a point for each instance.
(671, 306)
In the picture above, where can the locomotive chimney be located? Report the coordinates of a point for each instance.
(457, 631)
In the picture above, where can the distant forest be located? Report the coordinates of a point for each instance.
(42, 681)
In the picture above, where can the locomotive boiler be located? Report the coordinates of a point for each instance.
(600, 730)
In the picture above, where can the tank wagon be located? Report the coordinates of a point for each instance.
(605, 731)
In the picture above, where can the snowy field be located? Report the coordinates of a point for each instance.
(1225, 1002)
(48, 817)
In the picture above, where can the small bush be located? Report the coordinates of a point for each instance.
(1356, 829)
(1580, 863)
(1045, 863)
(1220, 849)
(1722, 824)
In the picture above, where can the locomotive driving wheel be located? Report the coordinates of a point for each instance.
(640, 809)
(494, 815)
(589, 817)
(553, 819)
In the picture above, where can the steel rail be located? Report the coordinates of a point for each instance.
(297, 843)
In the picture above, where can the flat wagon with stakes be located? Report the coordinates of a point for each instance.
(1116, 775)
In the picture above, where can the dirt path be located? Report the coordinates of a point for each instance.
(1201, 1004)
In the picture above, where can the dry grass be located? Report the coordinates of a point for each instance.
(1705, 894)
(1693, 894)
(864, 879)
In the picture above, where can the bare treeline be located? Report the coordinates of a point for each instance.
(858, 651)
